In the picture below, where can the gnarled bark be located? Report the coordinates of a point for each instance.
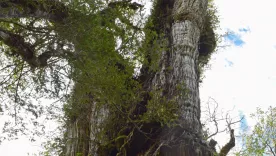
(180, 83)
(179, 23)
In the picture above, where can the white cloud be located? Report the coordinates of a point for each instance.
(19, 147)
(251, 81)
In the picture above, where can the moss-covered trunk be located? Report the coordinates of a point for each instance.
(178, 24)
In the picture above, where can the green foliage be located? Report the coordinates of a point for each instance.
(79, 154)
(209, 39)
(262, 139)
(156, 35)
(53, 147)
(160, 109)
(152, 47)
(100, 69)
(93, 69)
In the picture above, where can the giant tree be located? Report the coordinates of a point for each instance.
(113, 107)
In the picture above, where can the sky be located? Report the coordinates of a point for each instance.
(242, 74)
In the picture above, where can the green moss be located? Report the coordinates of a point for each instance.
(115, 88)
(79, 154)
(208, 38)
(160, 109)
(207, 42)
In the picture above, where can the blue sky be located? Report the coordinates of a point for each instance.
(243, 123)
(228, 63)
(242, 76)
(244, 30)
(235, 38)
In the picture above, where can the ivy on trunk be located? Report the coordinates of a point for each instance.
(111, 109)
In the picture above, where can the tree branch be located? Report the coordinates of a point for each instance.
(53, 10)
(48, 9)
(226, 148)
(125, 4)
(25, 50)
(270, 148)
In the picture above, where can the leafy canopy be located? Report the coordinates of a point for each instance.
(262, 139)
(64, 51)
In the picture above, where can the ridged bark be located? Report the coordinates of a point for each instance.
(180, 82)
(83, 136)
(177, 79)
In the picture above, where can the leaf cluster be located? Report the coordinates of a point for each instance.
(262, 139)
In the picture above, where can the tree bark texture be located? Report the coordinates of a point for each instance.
(82, 135)
(177, 78)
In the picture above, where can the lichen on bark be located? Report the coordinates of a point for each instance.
(173, 35)
(110, 111)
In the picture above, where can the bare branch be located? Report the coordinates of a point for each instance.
(213, 117)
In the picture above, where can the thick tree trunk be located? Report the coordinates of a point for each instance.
(180, 82)
(82, 136)
(177, 80)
